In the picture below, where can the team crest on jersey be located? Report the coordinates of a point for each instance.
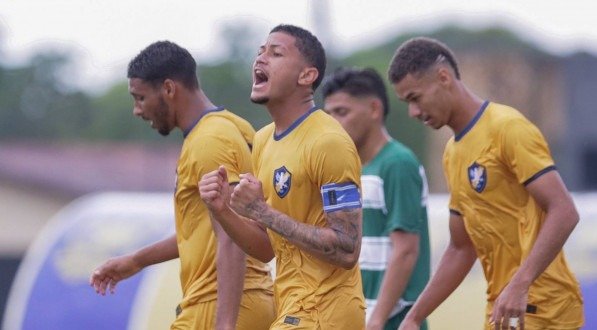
(282, 181)
(477, 176)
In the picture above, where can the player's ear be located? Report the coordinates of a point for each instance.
(308, 76)
(376, 108)
(444, 75)
(169, 88)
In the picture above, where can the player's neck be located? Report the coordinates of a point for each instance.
(464, 110)
(193, 107)
(375, 141)
(285, 112)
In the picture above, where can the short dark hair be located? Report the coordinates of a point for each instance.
(309, 46)
(417, 55)
(357, 82)
(164, 60)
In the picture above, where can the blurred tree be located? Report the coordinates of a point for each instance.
(36, 104)
(241, 39)
(113, 118)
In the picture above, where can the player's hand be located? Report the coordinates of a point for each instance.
(509, 308)
(215, 190)
(247, 198)
(111, 272)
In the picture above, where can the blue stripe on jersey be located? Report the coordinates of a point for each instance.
(472, 122)
(538, 174)
(295, 124)
(188, 130)
(340, 196)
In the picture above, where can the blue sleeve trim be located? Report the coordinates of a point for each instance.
(539, 174)
(340, 196)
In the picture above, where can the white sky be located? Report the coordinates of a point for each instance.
(105, 34)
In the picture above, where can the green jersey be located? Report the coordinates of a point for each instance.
(394, 198)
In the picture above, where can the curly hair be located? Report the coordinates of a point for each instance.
(417, 55)
(164, 60)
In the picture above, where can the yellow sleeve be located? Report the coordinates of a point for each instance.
(525, 150)
(228, 149)
(333, 159)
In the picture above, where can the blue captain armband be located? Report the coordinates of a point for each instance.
(340, 196)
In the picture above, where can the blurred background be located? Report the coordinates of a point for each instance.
(67, 129)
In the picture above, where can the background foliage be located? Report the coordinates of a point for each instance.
(35, 102)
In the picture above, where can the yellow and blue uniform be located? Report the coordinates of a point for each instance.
(488, 166)
(218, 138)
(311, 166)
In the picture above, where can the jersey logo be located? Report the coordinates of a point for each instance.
(282, 181)
(292, 320)
(477, 176)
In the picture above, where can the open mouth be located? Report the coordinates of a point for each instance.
(149, 121)
(260, 77)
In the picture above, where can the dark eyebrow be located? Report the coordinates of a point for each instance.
(408, 96)
(334, 109)
(262, 47)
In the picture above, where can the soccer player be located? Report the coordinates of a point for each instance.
(303, 204)
(215, 274)
(508, 204)
(394, 258)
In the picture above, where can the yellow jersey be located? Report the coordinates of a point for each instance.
(487, 167)
(295, 168)
(219, 138)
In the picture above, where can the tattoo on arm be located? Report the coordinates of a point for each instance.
(338, 243)
(347, 226)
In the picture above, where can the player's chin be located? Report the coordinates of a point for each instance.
(433, 125)
(259, 99)
(436, 126)
(164, 131)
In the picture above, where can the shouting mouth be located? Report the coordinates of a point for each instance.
(260, 78)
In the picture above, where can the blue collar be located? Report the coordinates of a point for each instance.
(295, 124)
(187, 131)
(472, 123)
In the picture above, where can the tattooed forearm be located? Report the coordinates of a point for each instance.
(338, 243)
(256, 208)
(347, 227)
